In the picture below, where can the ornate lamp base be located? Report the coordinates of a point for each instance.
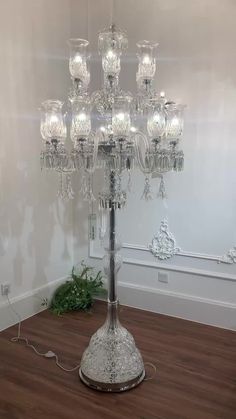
(111, 387)
(112, 361)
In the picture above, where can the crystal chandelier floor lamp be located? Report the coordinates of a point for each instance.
(116, 132)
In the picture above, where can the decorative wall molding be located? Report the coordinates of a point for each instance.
(163, 247)
(163, 244)
(177, 304)
(229, 257)
(164, 266)
(203, 310)
(194, 308)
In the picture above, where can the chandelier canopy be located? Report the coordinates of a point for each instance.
(110, 128)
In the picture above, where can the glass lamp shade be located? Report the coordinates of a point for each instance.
(106, 243)
(52, 125)
(81, 119)
(174, 120)
(111, 62)
(156, 122)
(121, 121)
(106, 264)
(111, 42)
(78, 64)
(147, 60)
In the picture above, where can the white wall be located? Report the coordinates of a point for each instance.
(36, 229)
(196, 66)
(40, 238)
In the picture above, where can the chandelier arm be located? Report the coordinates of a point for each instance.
(141, 163)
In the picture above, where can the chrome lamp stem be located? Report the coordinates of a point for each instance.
(112, 362)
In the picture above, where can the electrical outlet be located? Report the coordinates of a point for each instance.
(163, 277)
(5, 289)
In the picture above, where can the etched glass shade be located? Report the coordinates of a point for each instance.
(147, 60)
(156, 122)
(174, 121)
(107, 266)
(81, 119)
(111, 62)
(78, 62)
(106, 243)
(52, 126)
(121, 121)
(111, 42)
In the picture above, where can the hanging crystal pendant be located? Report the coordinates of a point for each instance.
(129, 183)
(147, 194)
(162, 189)
(65, 191)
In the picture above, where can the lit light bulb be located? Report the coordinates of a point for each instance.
(82, 117)
(156, 117)
(162, 95)
(78, 58)
(111, 54)
(133, 129)
(111, 62)
(120, 116)
(53, 119)
(175, 121)
(146, 59)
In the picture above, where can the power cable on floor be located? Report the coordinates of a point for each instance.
(51, 354)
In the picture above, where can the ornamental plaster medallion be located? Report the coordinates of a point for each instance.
(163, 244)
(229, 257)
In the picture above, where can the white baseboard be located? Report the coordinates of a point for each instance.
(197, 309)
(201, 310)
(27, 304)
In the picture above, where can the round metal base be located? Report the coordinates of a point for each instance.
(111, 387)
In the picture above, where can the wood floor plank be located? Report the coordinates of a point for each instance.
(196, 370)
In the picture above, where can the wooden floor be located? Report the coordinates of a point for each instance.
(196, 370)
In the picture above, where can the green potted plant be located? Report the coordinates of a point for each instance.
(79, 291)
